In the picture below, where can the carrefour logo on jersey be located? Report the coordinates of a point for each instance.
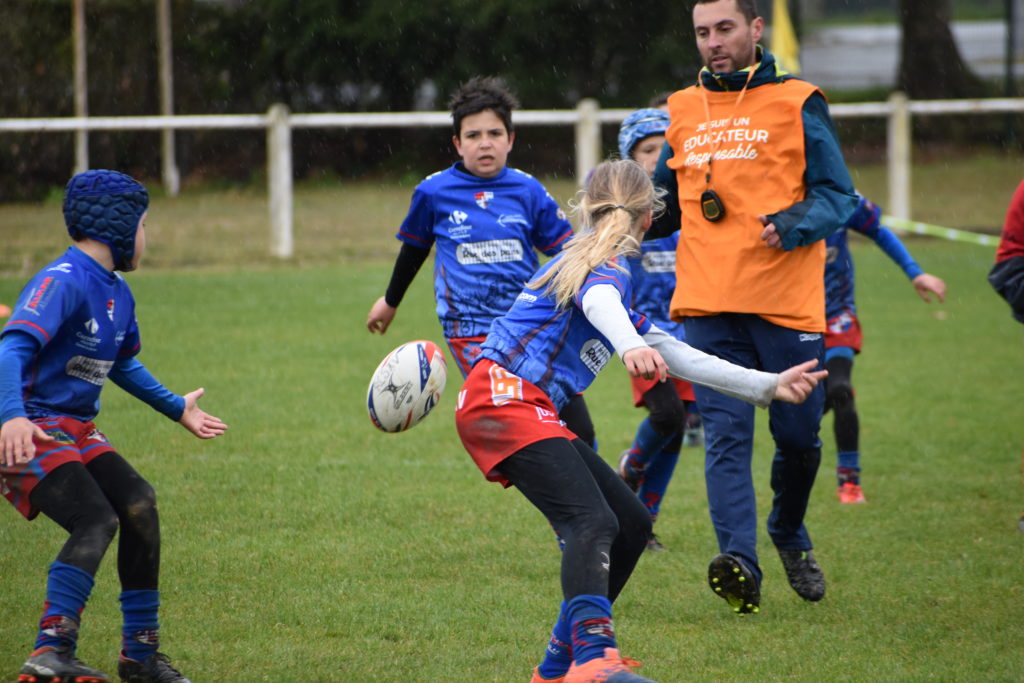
(595, 355)
(489, 251)
(458, 217)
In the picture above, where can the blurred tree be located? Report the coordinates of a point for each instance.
(930, 63)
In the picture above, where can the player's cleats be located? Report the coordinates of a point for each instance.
(731, 580)
(851, 493)
(537, 678)
(612, 668)
(155, 669)
(804, 574)
(58, 665)
(654, 545)
(630, 472)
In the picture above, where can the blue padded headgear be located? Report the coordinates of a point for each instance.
(640, 124)
(106, 206)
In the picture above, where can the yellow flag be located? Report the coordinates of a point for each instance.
(784, 44)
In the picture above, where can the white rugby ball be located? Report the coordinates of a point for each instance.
(406, 386)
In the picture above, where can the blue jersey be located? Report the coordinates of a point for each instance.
(839, 276)
(83, 317)
(558, 350)
(486, 231)
(654, 281)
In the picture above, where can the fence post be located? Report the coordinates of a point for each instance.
(169, 164)
(899, 153)
(279, 180)
(81, 87)
(588, 138)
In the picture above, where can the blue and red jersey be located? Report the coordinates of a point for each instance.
(654, 281)
(558, 350)
(839, 275)
(83, 317)
(487, 232)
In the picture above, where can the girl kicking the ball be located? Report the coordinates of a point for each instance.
(561, 330)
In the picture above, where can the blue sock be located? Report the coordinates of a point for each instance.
(67, 590)
(646, 444)
(590, 617)
(140, 634)
(849, 466)
(558, 655)
(656, 478)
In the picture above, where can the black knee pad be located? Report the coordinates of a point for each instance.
(838, 393)
(668, 417)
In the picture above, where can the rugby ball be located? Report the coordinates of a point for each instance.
(406, 386)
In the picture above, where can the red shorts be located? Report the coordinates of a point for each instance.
(499, 413)
(843, 330)
(465, 351)
(641, 386)
(74, 441)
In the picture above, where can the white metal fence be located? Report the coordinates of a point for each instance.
(587, 118)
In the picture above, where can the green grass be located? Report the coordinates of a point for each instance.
(306, 545)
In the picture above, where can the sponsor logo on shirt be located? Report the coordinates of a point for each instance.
(489, 251)
(42, 293)
(659, 261)
(526, 297)
(458, 217)
(513, 219)
(595, 355)
(89, 342)
(810, 336)
(483, 199)
(62, 267)
(92, 370)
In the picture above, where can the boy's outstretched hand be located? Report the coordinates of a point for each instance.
(198, 421)
(380, 316)
(796, 384)
(16, 440)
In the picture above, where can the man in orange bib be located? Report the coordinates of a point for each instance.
(752, 156)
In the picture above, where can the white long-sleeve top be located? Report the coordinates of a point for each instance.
(602, 305)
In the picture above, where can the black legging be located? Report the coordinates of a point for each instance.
(604, 525)
(576, 417)
(89, 502)
(839, 398)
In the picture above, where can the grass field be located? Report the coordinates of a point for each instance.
(304, 545)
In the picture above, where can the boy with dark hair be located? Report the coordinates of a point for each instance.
(73, 327)
(488, 222)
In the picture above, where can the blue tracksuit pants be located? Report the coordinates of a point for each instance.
(753, 342)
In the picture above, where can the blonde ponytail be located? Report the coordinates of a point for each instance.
(612, 210)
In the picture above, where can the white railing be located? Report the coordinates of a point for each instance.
(587, 118)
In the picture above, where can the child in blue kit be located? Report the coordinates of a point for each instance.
(843, 337)
(569, 321)
(648, 464)
(488, 221)
(72, 328)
